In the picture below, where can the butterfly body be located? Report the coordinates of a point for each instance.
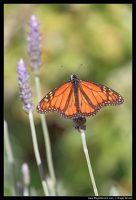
(77, 98)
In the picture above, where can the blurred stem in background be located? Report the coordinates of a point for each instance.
(26, 98)
(46, 137)
(37, 154)
(10, 156)
(34, 51)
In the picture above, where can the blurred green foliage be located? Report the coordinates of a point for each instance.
(95, 42)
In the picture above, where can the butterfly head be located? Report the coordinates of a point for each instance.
(73, 77)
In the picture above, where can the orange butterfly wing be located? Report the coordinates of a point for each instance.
(59, 100)
(77, 98)
(93, 96)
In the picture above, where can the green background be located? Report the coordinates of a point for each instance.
(95, 42)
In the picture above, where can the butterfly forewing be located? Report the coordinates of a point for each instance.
(59, 100)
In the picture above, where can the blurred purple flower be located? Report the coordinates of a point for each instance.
(25, 174)
(34, 44)
(24, 87)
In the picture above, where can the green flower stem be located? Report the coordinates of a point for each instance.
(46, 136)
(37, 154)
(83, 138)
(9, 154)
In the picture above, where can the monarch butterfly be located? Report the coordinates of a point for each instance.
(78, 99)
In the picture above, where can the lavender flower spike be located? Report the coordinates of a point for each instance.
(34, 44)
(24, 87)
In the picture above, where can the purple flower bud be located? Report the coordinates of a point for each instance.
(25, 174)
(24, 87)
(34, 44)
